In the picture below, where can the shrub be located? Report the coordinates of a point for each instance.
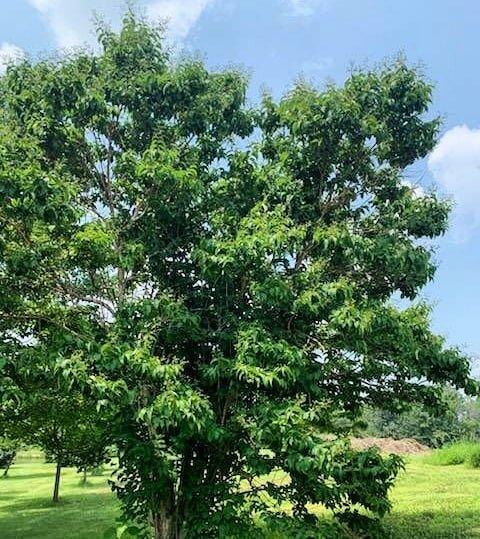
(458, 453)
(474, 458)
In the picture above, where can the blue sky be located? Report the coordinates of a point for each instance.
(277, 40)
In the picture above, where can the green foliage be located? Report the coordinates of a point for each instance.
(459, 453)
(64, 424)
(474, 458)
(225, 303)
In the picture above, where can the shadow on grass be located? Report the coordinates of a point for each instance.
(95, 500)
(433, 525)
(29, 505)
(12, 477)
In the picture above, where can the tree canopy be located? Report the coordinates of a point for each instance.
(220, 278)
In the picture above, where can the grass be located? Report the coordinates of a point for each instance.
(435, 502)
(26, 510)
(460, 453)
(430, 502)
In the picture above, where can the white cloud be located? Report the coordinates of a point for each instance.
(181, 14)
(9, 53)
(71, 21)
(455, 166)
(304, 8)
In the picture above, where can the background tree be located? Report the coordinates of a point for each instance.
(65, 426)
(458, 419)
(228, 303)
(8, 452)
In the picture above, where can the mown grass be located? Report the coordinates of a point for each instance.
(430, 502)
(435, 502)
(26, 510)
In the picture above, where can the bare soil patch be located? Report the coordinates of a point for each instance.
(405, 446)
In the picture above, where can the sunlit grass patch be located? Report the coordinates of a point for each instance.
(467, 453)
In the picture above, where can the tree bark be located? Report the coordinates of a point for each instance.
(164, 518)
(164, 527)
(56, 487)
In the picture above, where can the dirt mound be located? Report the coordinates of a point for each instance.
(406, 446)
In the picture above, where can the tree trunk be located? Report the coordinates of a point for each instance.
(56, 487)
(84, 481)
(164, 518)
(164, 527)
(9, 464)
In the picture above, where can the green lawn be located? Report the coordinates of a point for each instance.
(435, 502)
(26, 510)
(430, 502)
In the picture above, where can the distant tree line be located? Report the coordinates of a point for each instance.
(458, 419)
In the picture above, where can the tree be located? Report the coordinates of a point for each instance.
(65, 426)
(228, 301)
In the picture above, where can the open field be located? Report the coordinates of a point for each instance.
(430, 502)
